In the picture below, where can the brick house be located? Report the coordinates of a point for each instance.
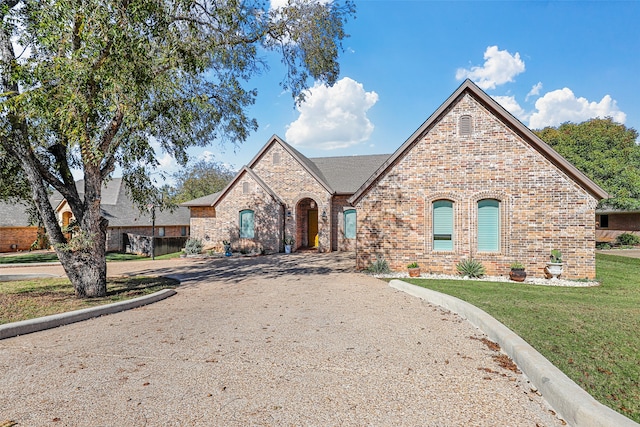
(124, 217)
(16, 231)
(474, 182)
(281, 193)
(610, 223)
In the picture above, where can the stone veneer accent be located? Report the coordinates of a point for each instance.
(541, 207)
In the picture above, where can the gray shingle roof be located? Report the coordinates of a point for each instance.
(119, 209)
(13, 215)
(116, 206)
(202, 201)
(345, 174)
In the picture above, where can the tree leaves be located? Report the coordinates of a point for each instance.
(606, 151)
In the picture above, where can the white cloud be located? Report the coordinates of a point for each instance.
(511, 105)
(499, 67)
(559, 106)
(535, 91)
(333, 117)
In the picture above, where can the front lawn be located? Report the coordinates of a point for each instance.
(29, 258)
(28, 299)
(591, 334)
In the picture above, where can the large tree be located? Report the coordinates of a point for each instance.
(199, 179)
(90, 84)
(606, 151)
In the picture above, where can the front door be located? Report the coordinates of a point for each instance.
(312, 221)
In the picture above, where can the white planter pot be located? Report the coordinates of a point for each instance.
(554, 269)
(287, 249)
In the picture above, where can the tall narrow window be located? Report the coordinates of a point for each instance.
(246, 189)
(350, 224)
(488, 225)
(246, 224)
(443, 225)
(465, 126)
(276, 158)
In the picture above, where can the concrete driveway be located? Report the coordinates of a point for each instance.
(296, 339)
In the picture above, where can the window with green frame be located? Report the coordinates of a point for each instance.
(246, 224)
(350, 224)
(489, 225)
(443, 225)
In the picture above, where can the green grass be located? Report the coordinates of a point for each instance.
(591, 334)
(29, 258)
(28, 299)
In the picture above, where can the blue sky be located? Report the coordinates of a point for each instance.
(545, 62)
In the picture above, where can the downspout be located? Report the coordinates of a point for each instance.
(284, 227)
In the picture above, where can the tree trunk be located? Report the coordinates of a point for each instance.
(87, 271)
(84, 257)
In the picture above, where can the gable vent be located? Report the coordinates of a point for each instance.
(276, 158)
(465, 126)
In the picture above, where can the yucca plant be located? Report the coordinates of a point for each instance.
(471, 268)
(379, 266)
(193, 247)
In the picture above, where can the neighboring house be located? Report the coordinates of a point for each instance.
(281, 194)
(124, 217)
(474, 182)
(471, 182)
(610, 223)
(16, 232)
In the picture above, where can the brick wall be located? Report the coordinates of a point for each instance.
(540, 207)
(14, 239)
(296, 187)
(268, 219)
(340, 204)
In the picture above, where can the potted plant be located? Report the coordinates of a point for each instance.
(288, 244)
(517, 273)
(554, 266)
(227, 247)
(414, 269)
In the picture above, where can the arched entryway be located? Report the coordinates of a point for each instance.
(67, 217)
(307, 231)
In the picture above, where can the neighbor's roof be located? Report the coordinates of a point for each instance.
(13, 215)
(507, 118)
(120, 210)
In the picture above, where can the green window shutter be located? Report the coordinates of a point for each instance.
(488, 225)
(350, 224)
(246, 224)
(442, 225)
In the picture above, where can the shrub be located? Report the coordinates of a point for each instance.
(603, 245)
(193, 247)
(517, 265)
(379, 266)
(556, 256)
(471, 268)
(628, 239)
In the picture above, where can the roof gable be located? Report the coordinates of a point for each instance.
(221, 195)
(305, 162)
(506, 118)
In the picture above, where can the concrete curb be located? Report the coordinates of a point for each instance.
(571, 402)
(34, 325)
